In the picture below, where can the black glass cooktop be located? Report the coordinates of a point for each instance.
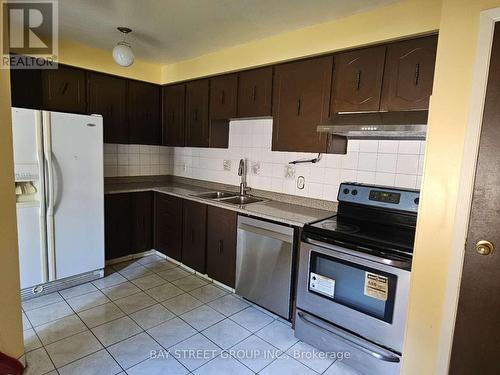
(363, 234)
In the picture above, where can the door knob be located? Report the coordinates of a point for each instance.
(484, 247)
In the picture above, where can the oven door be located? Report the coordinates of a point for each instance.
(355, 291)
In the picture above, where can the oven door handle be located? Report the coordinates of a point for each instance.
(354, 341)
(403, 264)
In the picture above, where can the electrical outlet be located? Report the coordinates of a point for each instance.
(301, 182)
(289, 171)
(226, 164)
(256, 168)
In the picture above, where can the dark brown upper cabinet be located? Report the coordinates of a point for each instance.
(223, 93)
(143, 106)
(64, 89)
(197, 125)
(174, 107)
(255, 92)
(221, 245)
(409, 74)
(26, 88)
(301, 101)
(357, 80)
(168, 225)
(107, 97)
(194, 235)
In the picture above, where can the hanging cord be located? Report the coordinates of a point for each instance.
(302, 161)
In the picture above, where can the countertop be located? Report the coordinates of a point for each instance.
(287, 213)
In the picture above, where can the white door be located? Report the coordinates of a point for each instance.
(76, 150)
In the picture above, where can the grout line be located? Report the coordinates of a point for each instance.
(224, 317)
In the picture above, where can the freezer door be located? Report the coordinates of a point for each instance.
(25, 141)
(76, 204)
(31, 254)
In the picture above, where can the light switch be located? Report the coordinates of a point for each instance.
(226, 164)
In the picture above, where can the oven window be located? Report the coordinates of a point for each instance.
(361, 288)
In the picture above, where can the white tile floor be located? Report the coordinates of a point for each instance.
(150, 316)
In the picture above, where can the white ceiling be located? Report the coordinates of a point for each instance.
(167, 31)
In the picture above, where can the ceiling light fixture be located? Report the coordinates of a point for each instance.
(122, 53)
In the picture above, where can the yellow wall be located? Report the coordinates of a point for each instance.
(11, 341)
(445, 145)
(83, 56)
(408, 17)
(457, 22)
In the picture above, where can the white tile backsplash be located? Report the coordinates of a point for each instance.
(135, 160)
(384, 162)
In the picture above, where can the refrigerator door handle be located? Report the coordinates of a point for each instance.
(42, 195)
(51, 255)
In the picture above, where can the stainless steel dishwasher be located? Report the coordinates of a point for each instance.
(264, 264)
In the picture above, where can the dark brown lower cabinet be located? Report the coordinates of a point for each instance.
(168, 225)
(128, 226)
(221, 245)
(142, 221)
(117, 225)
(194, 221)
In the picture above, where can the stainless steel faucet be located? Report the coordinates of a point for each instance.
(242, 172)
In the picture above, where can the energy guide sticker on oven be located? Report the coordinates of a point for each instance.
(376, 286)
(322, 284)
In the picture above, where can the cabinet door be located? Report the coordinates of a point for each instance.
(142, 221)
(107, 97)
(409, 73)
(197, 130)
(223, 94)
(194, 235)
(221, 245)
(301, 98)
(357, 81)
(173, 115)
(168, 225)
(117, 225)
(255, 92)
(143, 104)
(64, 89)
(26, 88)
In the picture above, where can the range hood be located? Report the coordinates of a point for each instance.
(378, 125)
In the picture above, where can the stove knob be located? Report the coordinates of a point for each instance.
(354, 192)
(346, 191)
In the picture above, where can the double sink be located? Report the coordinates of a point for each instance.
(229, 197)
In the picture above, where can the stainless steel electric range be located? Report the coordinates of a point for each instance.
(354, 277)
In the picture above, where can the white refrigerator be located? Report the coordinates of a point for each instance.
(58, 164)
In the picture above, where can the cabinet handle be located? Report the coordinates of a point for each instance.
(221, 246)
(195, 114)
(172, 115)
(417, 73)
(65, 88)
(299, 105)
(223, 99)
(358, 80)
(192, 236)
(254, 94)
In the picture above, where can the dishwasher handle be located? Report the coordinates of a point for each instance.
(266, 233)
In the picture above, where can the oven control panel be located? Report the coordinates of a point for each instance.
(379, 196)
